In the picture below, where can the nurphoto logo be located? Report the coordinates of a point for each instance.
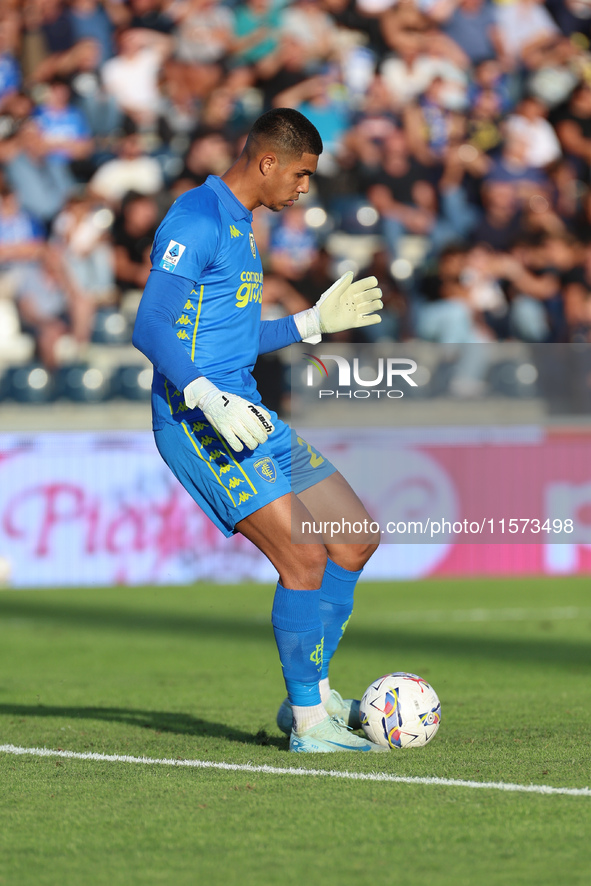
(385, 374)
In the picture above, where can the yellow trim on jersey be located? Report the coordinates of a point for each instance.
(246, 477)
(196, 324)
(168, 396)
(199, 453)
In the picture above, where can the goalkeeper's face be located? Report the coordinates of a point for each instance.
(285, 179)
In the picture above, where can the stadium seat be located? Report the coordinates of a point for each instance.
(111, 327)
(132, 382)
(513, 379)
(30, 384)
(83, 383)
(4, 385)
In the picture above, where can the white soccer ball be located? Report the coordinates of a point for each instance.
(400, 711)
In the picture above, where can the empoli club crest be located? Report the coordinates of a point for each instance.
(265, 468)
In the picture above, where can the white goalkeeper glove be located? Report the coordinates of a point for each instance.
(346, 305)
(238, 421)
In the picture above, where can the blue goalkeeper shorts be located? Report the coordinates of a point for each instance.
(230, 486)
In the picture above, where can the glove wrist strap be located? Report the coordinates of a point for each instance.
(200, 389)
(308, 325)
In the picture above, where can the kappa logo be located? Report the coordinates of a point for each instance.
(172, 256)
(234, 232)
(253, 246)
(266, 470)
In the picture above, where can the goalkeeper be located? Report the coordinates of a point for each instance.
(199, 322)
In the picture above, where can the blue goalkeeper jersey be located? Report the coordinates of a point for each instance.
(206, 238)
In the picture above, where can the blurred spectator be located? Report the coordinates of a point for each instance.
(323, 101)
(256, 31)
(20, 240)
(506, 294)
(416, 64)
(132, 170)
(47, 35)
(91, 20)
(573, 125)
(484, 123)
(133, 232)
(471, 24)
(402, 193)
(62, 126)
(577, 300)
(281, 70)
(41, 182)
(394, 314)
(400, 190)
(533, 289)
(459, 120)
(488, 77)
(502, 219)
(177, 112)
(81, 233)
(208, 155)
(50, 306)
(513, 166)
(373, 123)
(10, 74)
(293, 245)
(56, 25)
(204, 37)
(351, 16)
(18, 107)
(101, 109)
(530, 122)
(308, 23)
(453, 317)
(573, 17)
(433, 123)
(230, 108)
(582, 222)
(132, 76)
(150, 14)
(318, 277)
(529, 35)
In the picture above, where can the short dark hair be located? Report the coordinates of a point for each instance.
(285, 131)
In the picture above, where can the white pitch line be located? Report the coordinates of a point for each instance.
(277, 770)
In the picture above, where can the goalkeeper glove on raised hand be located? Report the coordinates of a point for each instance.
(346, 305)
(234, 418)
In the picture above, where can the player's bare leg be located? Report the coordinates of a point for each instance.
(270, 529)
(332, 501)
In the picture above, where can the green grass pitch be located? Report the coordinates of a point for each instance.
(192, 673)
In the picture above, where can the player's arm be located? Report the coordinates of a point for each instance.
(276, 334)
(235, 419)
(154, 332)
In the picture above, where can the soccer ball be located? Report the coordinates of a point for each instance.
(400, 711)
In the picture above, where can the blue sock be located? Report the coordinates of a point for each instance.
(336, 606)
(298, 633)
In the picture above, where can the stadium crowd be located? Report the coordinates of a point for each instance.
(456, 167)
